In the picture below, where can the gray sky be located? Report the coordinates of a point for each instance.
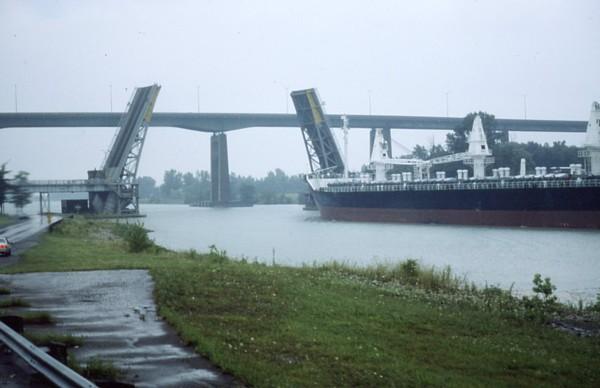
(247, 55)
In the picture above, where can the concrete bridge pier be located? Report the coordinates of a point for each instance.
(44, 202)
(387, 136)
(219, 170)
(104, 202)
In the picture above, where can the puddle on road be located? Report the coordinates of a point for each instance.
(116, 314)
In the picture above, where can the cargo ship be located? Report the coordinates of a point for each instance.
(567, 197)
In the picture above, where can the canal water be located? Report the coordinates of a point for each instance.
(288, 235)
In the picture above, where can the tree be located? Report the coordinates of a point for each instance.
(510, 155)
(173, 181)
(247, 193)
(420, 152)
(20, 196)
(4, 186)
(147, 187)
(457, 140)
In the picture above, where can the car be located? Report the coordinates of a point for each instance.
(4, 246)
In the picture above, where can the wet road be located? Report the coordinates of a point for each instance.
(23, 235)
(115, 312)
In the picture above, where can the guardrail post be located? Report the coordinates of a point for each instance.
(15, 322)
(58, 351)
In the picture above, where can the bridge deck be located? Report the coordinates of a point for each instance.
(222, 122)
(67, 186)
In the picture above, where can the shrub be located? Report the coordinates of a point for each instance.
(410, 270)
(545, 288)
(543, 303)
(137, 238)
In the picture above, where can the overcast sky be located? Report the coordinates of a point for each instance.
(246, 56)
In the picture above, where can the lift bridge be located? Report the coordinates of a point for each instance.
(113, 189)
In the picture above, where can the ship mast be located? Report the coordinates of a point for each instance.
(592, 141)
(478, 148)
(345, 128)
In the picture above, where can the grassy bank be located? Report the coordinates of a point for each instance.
(6, 220)
(334, 325)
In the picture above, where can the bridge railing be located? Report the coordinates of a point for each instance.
(59, 182)
(510, 183)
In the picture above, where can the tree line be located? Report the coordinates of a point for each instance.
(195, 187)
(505, 152)
(11, 191)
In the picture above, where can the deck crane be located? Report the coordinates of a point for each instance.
(478, 154)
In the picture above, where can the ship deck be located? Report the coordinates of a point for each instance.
(338, 186)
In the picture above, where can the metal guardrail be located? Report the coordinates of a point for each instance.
(53, 370)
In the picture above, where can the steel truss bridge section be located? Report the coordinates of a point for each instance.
(123, 160)
(121, 164)
(321, 146)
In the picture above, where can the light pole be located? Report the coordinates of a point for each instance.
(198, 98)
(16, 100)
(525, 106)
(447, 104)
(287, 100)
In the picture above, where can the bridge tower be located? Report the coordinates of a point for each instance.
(321, 145)
(120, 167)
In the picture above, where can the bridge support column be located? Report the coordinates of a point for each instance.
(219, 170)
(44, 201)
(387, 136)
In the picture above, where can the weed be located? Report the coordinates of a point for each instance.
(46, 338)
(95, 368)
(13, 302)
(192, 254)
(37, 318)
(217, 255)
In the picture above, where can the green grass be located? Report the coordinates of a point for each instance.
(333, 325)
(13, 302)
(44, 339)
(6, 220)
(96, 369)
(37, 318)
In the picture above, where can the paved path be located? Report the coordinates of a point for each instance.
(115, 312)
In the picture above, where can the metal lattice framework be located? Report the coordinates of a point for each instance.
(321, 146)
(121, 165)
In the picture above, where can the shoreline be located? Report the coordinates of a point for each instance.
(274, 325)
